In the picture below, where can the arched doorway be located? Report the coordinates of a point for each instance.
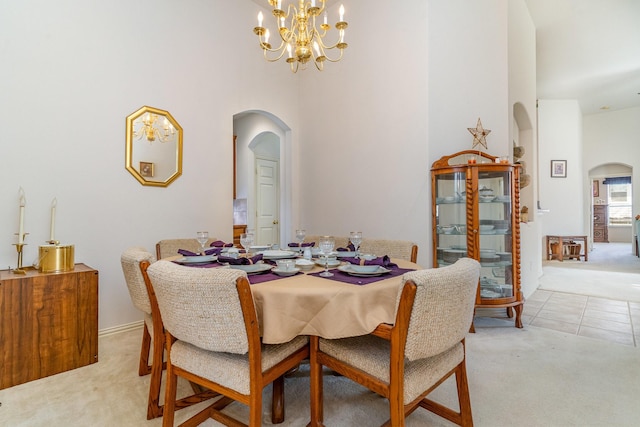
(611, 203)
(262, 179)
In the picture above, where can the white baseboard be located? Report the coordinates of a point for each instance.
(120, 328)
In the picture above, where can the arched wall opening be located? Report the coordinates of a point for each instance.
(262, 135)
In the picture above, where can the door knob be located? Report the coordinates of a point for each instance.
(275, 222)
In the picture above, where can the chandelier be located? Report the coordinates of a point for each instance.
(152, 131)
(300, 37)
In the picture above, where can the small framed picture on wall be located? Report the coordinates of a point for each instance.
(596, 188)
(558, 168)
(146, 169)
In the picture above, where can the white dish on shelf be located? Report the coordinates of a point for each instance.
(486, 227)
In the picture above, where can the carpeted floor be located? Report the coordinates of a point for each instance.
(517, 377)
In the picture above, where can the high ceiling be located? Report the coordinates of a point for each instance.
(588, 50)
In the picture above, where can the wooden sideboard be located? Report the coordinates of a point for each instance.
(48, 323)
(237, 231)
(600, 224)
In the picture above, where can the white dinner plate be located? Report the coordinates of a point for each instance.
(285, 273)
(343, 254)
(331, 264)
(259, 248)
(347, 268)
(197, 259)
(252, 268)
(278, 254)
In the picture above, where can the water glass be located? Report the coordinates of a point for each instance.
(326, 244)
(202, 238)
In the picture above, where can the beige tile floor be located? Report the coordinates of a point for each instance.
(583, 315)
(579, 306)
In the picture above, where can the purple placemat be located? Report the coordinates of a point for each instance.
(253, 278)
(355, 280)
(266, 277)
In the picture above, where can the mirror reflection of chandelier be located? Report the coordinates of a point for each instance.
(300, 38)
(152, 131)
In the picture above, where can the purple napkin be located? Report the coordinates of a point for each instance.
(349, 248)
(239, 261)
(304, 245)
(384, 261)
(213, 251)
(221, 244)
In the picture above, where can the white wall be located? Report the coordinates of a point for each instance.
(560, 138)
(72, 71)
(364, 132)
(523, 131)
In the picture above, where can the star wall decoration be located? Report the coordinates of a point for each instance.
(479, 135)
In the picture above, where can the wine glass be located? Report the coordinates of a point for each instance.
(300, 235)
(356, 238)
(203, 236)
(326, 244)
(246, 239)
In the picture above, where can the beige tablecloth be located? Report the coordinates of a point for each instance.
(310, 305)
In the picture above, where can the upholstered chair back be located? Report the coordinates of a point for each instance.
(130, 260)
(169, 247)
(200, 306)
(443, 307)
(399, 249)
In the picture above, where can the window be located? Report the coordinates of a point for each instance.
(619, 204)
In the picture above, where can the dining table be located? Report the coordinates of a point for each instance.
(340, 306)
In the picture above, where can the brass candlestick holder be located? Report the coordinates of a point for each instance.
(19, 248)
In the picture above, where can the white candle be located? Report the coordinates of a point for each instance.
(260, 18)
(53, 219)
(23, 202)
(341, 12)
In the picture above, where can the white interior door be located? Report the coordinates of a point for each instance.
(267, 202)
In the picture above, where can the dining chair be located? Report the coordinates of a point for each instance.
(399, 249)
(135, 261)
(213, 339)
(405, 361)
(169, 247)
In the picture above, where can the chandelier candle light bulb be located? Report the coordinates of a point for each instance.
(54, 203)
(23, 202)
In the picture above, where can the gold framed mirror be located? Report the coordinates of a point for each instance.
(154, 147)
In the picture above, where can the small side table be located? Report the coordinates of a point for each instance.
(568, 242)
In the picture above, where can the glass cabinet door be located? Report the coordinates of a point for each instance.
(450, 213)
(495, 234)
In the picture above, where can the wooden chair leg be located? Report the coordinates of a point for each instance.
(169, 398)
(255, 410)
(154, 409)
(144, 368)
(277, 401)
(315, 374)
(466, 419)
